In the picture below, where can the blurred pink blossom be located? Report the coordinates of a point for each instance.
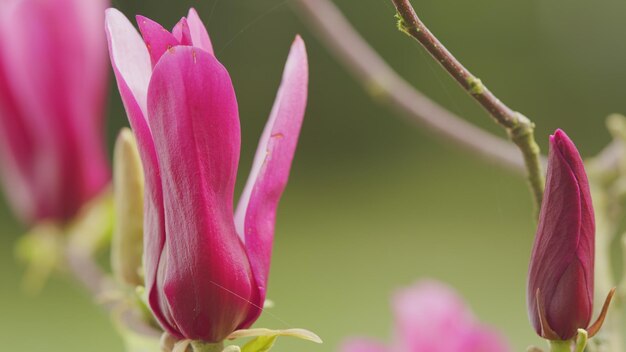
(52, 93)
(431, 317)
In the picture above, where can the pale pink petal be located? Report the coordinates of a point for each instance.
(130, 59)
(194, 119)
(256, 211)
(131, 65)
(199, 35)
(181, 32)
(362, 345)
(484, 339)
(158, 39)
(430, 317)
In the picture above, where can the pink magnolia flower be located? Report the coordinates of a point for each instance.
(206, 269)
(560, 277)
(431, 317)
(52, 92)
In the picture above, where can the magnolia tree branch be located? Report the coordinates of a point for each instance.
(334, 30)
(94, 280)
(519, 127)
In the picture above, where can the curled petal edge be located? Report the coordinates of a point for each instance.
(546, 331)
(595, 327)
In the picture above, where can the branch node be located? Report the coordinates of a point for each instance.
(476, 86)
(401, 24)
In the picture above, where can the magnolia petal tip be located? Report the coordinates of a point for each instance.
(140, 18)
(125, 135)
(112, 11)
(559, 135)
(298, 43)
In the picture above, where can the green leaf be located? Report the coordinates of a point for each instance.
(264, 339)
(260, 344)
(298, 333)
(581, 340)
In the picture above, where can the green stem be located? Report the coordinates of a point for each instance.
(523, 135)
(519, 127)
(560, 346)
(199, 346)
(581, 340)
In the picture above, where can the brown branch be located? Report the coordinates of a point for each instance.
(350, 49)
(519, 127)
(93, 279)
(410, 24)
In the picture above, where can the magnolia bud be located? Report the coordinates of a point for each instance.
(560, 277)
(128, 182)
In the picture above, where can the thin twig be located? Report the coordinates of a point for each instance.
(93, 279)
(334, 30)
(519, 127)
(410, 24)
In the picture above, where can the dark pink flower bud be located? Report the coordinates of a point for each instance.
(206, 266)
(560, 277)
(53, 78)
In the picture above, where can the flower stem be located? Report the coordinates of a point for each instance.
(560, 346)
(581, 340)
(199, 346)
(519, 127)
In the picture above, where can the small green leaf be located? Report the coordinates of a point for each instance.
(298, 333)
(581, 340)
(260, 344)
(264, 339)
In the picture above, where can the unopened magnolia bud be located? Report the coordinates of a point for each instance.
(128, 183)
(560, 279)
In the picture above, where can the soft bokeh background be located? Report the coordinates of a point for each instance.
(373, 203)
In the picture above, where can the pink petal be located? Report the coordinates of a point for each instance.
(362, 345)
(483, 339)
(194, 119)
(130, 60)
(430, 316)
(158, 39)
(181, 32)
(199, 35)
(131, 65)
(257, 206)
(16, 149)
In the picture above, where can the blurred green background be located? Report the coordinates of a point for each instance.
(373, 203)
